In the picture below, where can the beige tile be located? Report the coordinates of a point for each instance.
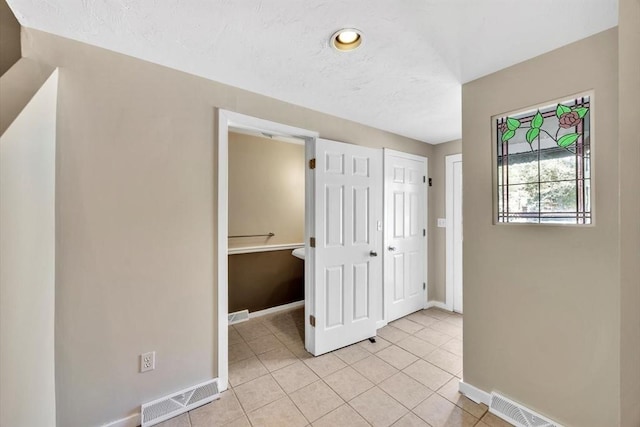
(259, 392)
(392, 334)
(438, 412)
(277, 359)
(410, 420)
(246, 370)
(234, 336)
(294, 377)
(265, 343)
(374, 347)
(251, 330)
(374, 369)
(407, 325)
(432, 336)
(352, 354)
(217, 413)
(290, 335)
(344, 416)
(378, 408)
(494, 421)
(453, 346)
(482, 424)
(436, 313)
(445, 361)
(316, 400)
(299, 350)
(239, 351)
(348, 383)
(428, 374)
(281, 413)
(179, 421)
(396, 357)
(455, 319)
(422, 319)
(447, 328)
(325, 365)
(416, 346)
(450, 392)
(240, 422)
(405, 389)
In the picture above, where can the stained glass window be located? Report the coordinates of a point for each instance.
(544, 164)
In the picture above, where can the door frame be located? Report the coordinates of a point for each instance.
(449, 245)
(385, 198)
(225, 119)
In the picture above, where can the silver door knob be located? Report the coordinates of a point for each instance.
(392, 248)
(373, 253)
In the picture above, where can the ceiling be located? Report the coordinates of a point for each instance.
(405, 78)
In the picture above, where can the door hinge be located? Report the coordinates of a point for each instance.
(430, 182)
(312, 164)
(312, 242)
(424, 286)
(312, 320)
(424, 232)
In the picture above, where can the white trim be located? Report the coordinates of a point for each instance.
(437, 304)
(132, 420)
(225, 119)
(265, 248)
(474, 393)
(381, 324)
(271, 310)
(449, 161)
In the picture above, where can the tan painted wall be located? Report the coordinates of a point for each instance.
(266, 190)
(542, 323)
(9, 38)
(629, 84)
(135, 221)
(437, 287)
(27, 262)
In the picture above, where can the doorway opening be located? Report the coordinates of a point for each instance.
(454, 236)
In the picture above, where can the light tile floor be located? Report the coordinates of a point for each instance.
(408, 377)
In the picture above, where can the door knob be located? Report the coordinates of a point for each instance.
(373, 253)
(392, 248)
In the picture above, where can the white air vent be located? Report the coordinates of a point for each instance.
(238, 316)
(517, 414)
(168, 407)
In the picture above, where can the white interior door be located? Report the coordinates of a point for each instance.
(347, 269)
(405, 235)
(454, 232)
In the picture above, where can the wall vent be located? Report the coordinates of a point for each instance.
(178, 403)
(238, 316)
(517, 414)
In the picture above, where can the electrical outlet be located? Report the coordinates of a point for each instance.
(442, 222)
(148, 361)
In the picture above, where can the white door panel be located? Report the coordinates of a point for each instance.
(346, 276)
(405, 248)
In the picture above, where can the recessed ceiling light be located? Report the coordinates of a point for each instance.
(346, 39)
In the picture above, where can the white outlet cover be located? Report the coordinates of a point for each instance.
(442, 222)
(148, 361)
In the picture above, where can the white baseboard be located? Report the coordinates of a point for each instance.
(132, 420)
(381, 324)
(474, 393)
(437, 304)
(276, 309)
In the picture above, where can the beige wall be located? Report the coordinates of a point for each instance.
(629, 84)
(542, 323)
(135, 221)
(9, 38)
(27, 262)
(266, 190)
(437, 260)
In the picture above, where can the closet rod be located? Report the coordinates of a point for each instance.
(253, 235)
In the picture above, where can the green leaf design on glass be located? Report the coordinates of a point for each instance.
(562, 109)
(532, 134)
(582, 111)
(508, 135)
(568, 139)
(512, 124)
(537, 121)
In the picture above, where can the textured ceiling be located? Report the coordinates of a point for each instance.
(406, 77)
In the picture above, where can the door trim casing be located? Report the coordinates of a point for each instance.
(224, 119)
(449, 199)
